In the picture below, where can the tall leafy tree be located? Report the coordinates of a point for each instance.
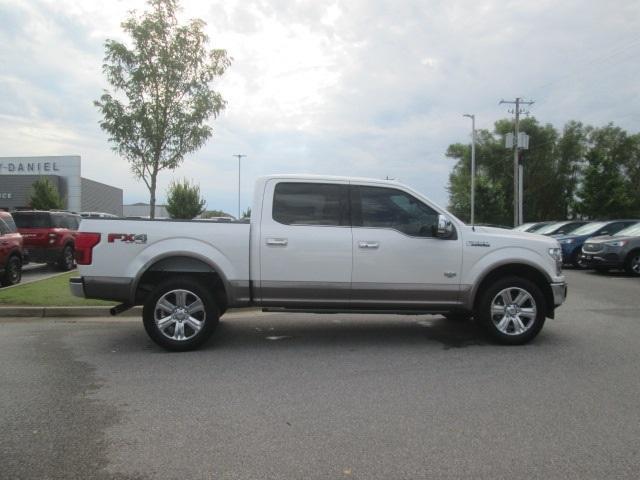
(162, 96)
(44, 195)
(605, 191)
(553, 167)
(184, 200)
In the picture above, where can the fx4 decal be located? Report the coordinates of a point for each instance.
(127, 237)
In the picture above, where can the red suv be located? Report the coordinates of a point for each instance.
(10, 251)
(49, 237)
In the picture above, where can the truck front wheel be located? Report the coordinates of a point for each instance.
(512, 310)
(180, 314)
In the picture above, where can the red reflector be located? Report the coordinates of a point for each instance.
(85, 241)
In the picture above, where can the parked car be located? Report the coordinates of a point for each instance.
(49, 237)
(321, 244)
(10, 251)
(621, 250)
(531, 226)
(572, 243)
(561, 228)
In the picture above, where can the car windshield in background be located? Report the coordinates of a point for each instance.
(32, 220)
(550, 228)
(588, 228)
(632, 231)
(524, 227)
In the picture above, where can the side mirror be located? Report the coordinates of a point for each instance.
(445, 227)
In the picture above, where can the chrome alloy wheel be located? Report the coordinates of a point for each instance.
(513, 311)
(635, 264)
(179, 314)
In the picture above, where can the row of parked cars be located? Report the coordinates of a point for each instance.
(38, 237)
(599, 245)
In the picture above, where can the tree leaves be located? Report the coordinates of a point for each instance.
(44, 195)
(162, 95)
(582, 171)
(184, 201)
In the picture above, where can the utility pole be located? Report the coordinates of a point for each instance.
(517, 188)
(473, 167)
(239, 155)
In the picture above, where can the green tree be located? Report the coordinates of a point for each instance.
(552, 168)
(247, 213)
(163, 85)
(44, 195)
(605, 191)
(184, 201)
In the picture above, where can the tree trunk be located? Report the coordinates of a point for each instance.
(152, 199)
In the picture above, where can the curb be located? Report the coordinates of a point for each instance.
(97, 311)
(35, 312)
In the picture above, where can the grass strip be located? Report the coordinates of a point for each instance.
(50, 292)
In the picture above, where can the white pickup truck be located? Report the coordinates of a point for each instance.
(321, 244)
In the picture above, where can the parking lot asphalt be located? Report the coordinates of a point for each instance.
(279, 396)
(38, 271)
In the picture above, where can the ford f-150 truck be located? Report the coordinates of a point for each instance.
(321, 244)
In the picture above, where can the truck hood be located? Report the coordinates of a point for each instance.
(515, 235)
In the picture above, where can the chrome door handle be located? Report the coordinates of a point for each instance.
(277, 242)
(368, 244)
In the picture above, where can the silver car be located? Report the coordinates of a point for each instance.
(621, 250)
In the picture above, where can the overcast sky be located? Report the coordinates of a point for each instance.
(362, 87)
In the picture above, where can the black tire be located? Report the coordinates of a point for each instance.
(486, 318)
(458, 316)
(12, 271)
(632, 263)
(67, 259)
(166, 337)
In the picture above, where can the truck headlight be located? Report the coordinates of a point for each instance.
(556, 254)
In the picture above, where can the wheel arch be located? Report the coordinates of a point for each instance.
(518, 269)
(629, 255)
(164, 267)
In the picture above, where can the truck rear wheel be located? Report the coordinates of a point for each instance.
(180, 314)
(512, 310)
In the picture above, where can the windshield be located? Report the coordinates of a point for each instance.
(632, 231)
(588, 228)
(550, 228)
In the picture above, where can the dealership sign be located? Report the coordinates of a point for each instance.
(28, 167)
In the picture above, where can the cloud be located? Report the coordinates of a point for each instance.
(364, 87)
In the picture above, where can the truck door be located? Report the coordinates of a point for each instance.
(397, 261)
(305, 244)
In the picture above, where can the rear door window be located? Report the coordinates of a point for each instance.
(311, 204)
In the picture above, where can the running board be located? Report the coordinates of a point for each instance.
(346, 311)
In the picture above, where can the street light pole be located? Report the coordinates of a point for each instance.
(239, 155)
(473, 167)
